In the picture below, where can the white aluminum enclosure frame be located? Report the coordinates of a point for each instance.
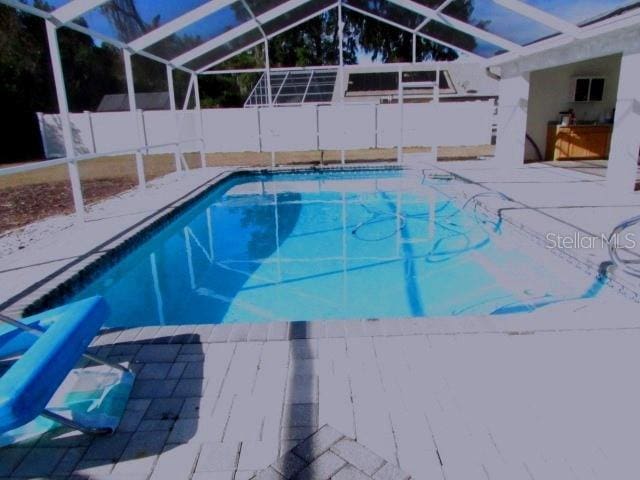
(63, 107)
(64, 16)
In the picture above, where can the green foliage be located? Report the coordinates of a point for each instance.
(124, 16)
(90, 71)
(26, 82)
(312, 43)
(23, 55)
(385, 43)
(233, 89)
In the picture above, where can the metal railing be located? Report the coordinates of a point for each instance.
(614, 247)
(74, 175)
(28, 167)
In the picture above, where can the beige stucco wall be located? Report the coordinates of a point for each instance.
(551, 90)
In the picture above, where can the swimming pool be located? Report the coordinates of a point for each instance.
(330, 245)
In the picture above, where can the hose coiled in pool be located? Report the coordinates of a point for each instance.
(437, 254)
(378, 216)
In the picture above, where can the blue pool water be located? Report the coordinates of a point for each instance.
(322, 246)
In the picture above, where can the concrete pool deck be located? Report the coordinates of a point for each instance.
(548, 394)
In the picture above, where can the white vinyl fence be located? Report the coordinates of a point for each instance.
(297, 128)
(106, 132)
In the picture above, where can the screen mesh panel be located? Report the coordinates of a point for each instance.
(295, 87)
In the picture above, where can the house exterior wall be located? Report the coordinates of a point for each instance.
(551, 90)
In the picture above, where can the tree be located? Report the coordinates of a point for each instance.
(387, 43)
(315, 42)
(232, 90)
(26, 82)
(125, 18)
(90, 71)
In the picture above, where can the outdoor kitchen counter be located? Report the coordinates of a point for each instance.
(578, 142)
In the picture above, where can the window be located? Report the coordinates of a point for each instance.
(373, 82)
(588, 90)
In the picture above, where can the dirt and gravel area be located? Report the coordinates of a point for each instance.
(28, 197)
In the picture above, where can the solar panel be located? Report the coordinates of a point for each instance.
(295, 87)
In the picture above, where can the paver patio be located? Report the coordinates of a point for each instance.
(453, 399)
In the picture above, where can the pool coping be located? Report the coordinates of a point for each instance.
(536, 323)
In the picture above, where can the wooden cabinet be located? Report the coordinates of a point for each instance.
(578, 142)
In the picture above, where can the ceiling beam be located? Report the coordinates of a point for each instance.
(17, 4)
(123, 46)
(540, 16)
(426, 20)
(457, 24)
(444, 5)
(231, 55)
(254, 18)
(236, 32)
(274, 34)
(177, 24)
(75, 8)
(78, 28)
(214, 43)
